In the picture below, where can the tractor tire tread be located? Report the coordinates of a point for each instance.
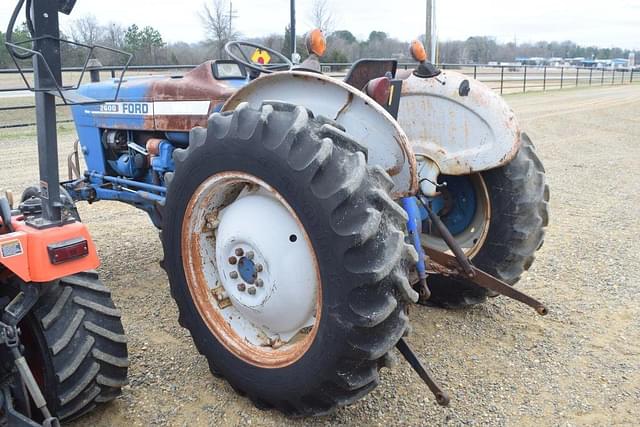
(521, 190)
(79, 323)
(361, 212)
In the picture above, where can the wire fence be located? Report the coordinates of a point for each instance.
(17, 107)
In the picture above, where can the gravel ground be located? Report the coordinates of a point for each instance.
(501, 363)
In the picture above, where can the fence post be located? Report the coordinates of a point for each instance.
(475, 72)
(544, 80)
(113, 73)
(577, 75)
(631, 76)
(590, 75)
(613, 77)
(561, 77)
(524, 83)
(602, 79)
(501, 79)
(94, 66)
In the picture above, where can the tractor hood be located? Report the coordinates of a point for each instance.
(157, 103)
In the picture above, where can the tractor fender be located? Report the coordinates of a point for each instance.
(458, 122)
(364, 120)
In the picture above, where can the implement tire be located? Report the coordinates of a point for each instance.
(356, 234)
(75, 345)
(519, 212)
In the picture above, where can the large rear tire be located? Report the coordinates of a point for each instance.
(518, 211)
(75, 345)
(352, 228)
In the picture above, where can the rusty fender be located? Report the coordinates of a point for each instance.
(458, 122)
(364, 120)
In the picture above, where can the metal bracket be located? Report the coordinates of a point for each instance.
(485, 280)
(21, 304)
(460, 265)
(10, 337)
(410, 356)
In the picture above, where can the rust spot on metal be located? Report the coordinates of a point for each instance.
(153, 146)
(345, 106)
(221, 297)
(198, 84)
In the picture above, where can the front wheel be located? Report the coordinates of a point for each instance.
(498, 217)
(286, 257)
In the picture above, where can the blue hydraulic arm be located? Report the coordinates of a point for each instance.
(414, 226)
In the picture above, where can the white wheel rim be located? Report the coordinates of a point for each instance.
(251, 269)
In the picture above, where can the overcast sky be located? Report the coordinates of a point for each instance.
(587, 22)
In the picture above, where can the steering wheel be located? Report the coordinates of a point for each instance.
(233, 47)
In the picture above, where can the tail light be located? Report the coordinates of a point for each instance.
(380, 90)
(68, 251)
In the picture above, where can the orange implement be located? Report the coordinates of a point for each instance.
(32, 254)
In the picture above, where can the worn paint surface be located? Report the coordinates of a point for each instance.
(202, 275)
(157, 103)
(364, 120)
(198, 84)
(461, 134)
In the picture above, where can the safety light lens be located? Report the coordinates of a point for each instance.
(316, 43)
(418, 51)
(68, 250)
(380, 90)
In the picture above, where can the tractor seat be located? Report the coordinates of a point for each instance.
(365, 70)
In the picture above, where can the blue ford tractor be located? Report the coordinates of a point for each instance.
(301, 215)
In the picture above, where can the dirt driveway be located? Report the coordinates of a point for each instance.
(501, 364)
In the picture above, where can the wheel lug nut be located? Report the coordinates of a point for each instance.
(233, 260)
(259, 268)
(242, 287)
(250, 254)
(233, 274)
(239, 252)
(259, 283)
(252, 291)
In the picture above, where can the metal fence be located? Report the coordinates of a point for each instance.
(501, 78)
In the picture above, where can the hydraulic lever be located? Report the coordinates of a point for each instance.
(461, 265)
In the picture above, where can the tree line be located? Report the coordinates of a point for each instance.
(149, 47)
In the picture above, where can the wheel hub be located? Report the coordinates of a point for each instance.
(244, 277)
(465, 209)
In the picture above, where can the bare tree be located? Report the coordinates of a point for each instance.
(217, 24)
(321, 16)
(114, 35)
(86, 30)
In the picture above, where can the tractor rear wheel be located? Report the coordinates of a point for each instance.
(75, 345)
(286, 257)
(498, 217)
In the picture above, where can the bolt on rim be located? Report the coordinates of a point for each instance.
(251, 270)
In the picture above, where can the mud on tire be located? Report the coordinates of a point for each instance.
(81, 351)
(519, 198)
(357, 233)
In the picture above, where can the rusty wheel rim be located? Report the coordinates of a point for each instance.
(232, 277)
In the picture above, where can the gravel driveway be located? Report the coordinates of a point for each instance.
(500, 362)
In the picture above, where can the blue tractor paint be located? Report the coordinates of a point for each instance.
(414, 226)
(247, 270)
(163, 163)
(122, 174)
(456, 205)
(181, 138)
